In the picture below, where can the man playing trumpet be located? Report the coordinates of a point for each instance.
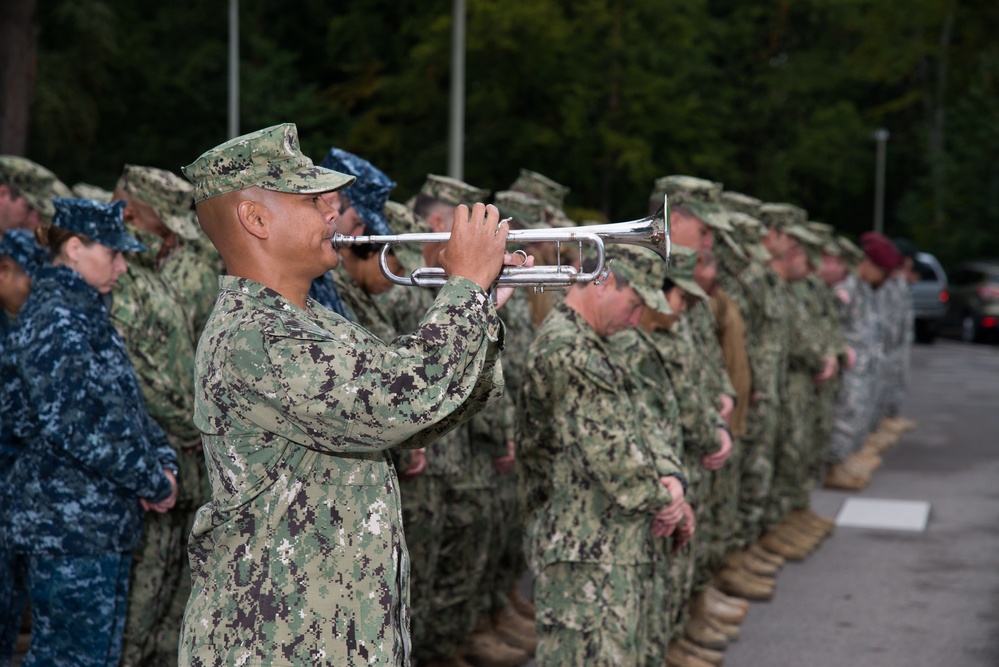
(299, 558)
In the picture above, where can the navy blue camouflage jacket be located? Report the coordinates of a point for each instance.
(85, 448)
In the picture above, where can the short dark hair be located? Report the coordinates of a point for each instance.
(589, 265)
(425, 204)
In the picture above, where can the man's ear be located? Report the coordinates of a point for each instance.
(253, 216)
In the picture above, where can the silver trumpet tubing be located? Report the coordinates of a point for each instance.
(651, 232)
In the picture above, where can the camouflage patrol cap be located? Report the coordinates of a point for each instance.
(526, 209)
(102, 222)
(699, 195)
(801, 233)
(822, 230)
(402, 219)
(88, 191)
(781, 216)
(683, 189)
(736, 201)
(60, 189)
(644, 271)
(269, 158)
(369, 192)
(748, 232)
(682, 262)
(542, 187)
(851, 251)
(169, 195)
(452, 192)
(32, 181)
(20, 245)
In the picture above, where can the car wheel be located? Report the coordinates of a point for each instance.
(969, 329)
(925, 332)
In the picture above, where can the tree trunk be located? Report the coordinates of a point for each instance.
(17, 73)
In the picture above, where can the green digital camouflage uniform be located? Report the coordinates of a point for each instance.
(591, 487)
(824, 310)
(149, 309)
(300, 556)
(658, 414)
(194, 269)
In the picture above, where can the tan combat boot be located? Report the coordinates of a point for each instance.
(730, 600)
(515, 630)
(730, 630)
(843, 477)
(487, 649)
(905, 424)
(759, 552)
(706, 654)
(744, 560)
(779, 544)
(717, 609)
(522, 605)
(746, 585)
(865, 458)
(795, 525)
(703, 633)
(817, 523)
(678, 657)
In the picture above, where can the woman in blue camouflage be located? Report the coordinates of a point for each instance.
(89, 459)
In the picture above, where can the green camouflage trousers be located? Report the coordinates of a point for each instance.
(757, 471)
(506, 563)
(593, 614)
(723, 500)
(794, 450)
(423, 522)
(461, 564)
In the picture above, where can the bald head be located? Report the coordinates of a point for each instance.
(278, 239)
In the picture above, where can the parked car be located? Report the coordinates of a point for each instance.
(929, 296)
(973, 311)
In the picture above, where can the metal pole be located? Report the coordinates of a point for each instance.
(881, 137)
(456, 124)
(233, 68)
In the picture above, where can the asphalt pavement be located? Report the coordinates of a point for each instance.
(884, 598)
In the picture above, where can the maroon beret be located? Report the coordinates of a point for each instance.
(881, 251)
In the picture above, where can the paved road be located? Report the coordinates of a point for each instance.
(876, 598)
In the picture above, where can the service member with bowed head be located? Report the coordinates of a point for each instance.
(89, 458)
(299, 558)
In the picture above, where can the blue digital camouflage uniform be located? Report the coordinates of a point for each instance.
(88, 451)
(300, 558)
(19, 246)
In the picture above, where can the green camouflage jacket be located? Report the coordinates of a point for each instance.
(589, 479)
(299, 559)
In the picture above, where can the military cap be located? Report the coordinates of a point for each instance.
(20, 245)
(269, 158)
(682, 263)
(526, 209)
(881, 251)
(60, 189)
(644, 271)
(820, 229)
(851, 251)
(169, 195)
(782, 215)
(402, 219)
(369, 192)
(102, 222)
(801, 233)
(699, 195)
(88, 191)
(736, 201)
(748, 232)
(542, 187)
(906, 247)
(32, 181)
(452, 192)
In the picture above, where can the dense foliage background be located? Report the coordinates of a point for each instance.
(775, 98)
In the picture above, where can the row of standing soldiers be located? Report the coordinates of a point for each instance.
(782, 364)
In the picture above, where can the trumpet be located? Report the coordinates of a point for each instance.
(651, 232)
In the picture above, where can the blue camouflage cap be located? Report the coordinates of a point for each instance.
(368, 193)
(102, 222)
(20, 245)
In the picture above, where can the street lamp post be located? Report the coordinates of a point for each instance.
(881, 138)
(456, 126)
